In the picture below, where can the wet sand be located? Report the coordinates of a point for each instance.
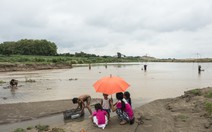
(11, 113)
(186, 113)
(8, 67)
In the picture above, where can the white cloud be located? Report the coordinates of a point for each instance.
(163, 28)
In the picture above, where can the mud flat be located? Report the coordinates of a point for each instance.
(8, 67)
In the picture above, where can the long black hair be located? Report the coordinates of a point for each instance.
(120, 97)
(127, 95)
(98, 106)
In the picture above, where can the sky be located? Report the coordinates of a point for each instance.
(158, 28)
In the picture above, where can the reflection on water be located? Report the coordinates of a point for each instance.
(161, 80)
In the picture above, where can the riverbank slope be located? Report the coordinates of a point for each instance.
(190, 112)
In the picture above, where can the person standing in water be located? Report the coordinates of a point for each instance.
(145, 67)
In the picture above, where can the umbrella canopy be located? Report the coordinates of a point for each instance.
(110, 85)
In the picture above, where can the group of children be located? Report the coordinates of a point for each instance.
(101, 115)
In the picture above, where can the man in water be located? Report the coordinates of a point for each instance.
(145, 67)
(81, 103)
(13, 83)
(199, 68)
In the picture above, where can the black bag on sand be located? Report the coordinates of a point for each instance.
(72, 114)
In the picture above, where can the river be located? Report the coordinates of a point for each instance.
(161, 80)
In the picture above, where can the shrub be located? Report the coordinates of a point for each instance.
(20, 130)
(74, 62)
(29, 128)
(209, 94)
(182, 117)
(39, 59)
(57, 130)
(80, 61)
(196, 92)
(208, 107)
(41, 128)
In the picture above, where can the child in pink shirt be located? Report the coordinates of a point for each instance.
(123, 110)
(99, 116)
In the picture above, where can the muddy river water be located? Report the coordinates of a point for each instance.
(161, 80)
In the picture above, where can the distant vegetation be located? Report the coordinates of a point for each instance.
(82, 58)
(63, 59)
(30, 51)
(28, 47)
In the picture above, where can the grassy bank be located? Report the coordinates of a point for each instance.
(27, 59)
(29, 62)
(31, 59)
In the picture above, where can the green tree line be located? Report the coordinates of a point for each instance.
(28, 47)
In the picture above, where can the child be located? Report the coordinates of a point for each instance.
(105, 103)
(123, 110)
(80, 100)
(127, 97)
(99, 116)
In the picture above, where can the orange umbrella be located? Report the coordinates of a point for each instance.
(110, 85)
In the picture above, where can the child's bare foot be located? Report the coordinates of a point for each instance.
(123, 122)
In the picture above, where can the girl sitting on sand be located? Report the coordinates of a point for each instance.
(123, 110)
(99, 116)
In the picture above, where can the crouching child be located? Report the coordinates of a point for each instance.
(99, 116)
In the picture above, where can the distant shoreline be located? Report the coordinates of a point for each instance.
(10, 67)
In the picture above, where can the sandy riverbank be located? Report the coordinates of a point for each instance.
(186, 113)
(8, 67)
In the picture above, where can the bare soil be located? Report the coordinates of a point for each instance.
(186, 113)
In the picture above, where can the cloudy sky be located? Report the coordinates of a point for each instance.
(159, 28)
